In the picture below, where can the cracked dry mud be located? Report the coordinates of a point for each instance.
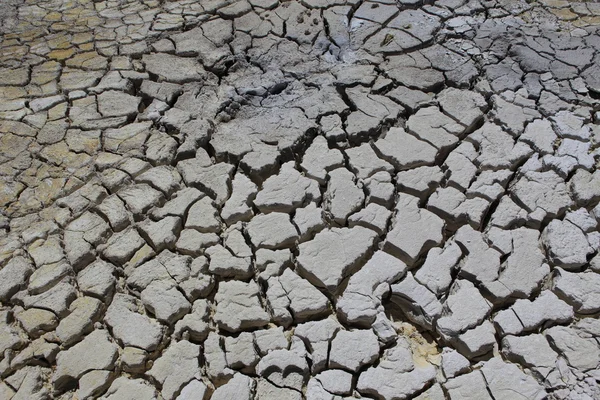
(315, 199)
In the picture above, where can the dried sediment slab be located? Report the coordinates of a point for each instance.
(324, 199)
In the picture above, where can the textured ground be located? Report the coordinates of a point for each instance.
(317, 199)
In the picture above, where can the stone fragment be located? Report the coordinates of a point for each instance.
(580, 352)
(12, 337)
(214, 358)
(166, 266)
(462, 170)
(482, 262)
(161, 234)
(113, 103)
(530, 351)
(465, 106)
(197, 132)
(542, 192)
(584, 187)
(515, 113)
(471, 386)
(235, 241)
(497, 149)
(308, 220)
(193, 243)
(128, 139)
(266, 390)
(94, 383)
(540, 136)
(81, 235)
(267, 340)
(263, 132)
(164, 178)
(56, 299)
(336, 381)
(432, 126)
(524, 269)
(203, 216)
(165, 301)
(179, 204)
(133, 359)
(46, 252)
(380, 189)
(331, 125)
(29, 383)
(47, 276)
(477, 341)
